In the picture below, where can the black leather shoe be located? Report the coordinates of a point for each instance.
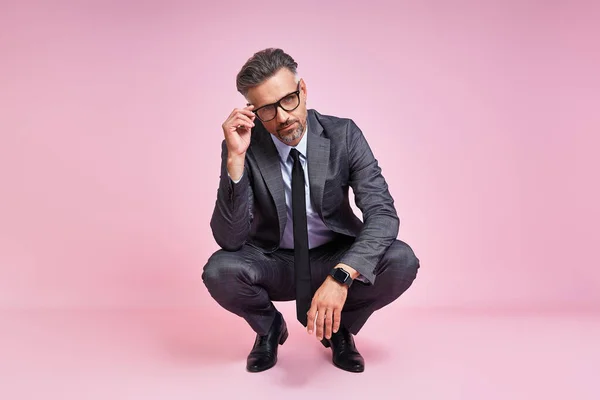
(345, 355)
(264, 353)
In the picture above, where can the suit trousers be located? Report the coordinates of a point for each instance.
(247, 281)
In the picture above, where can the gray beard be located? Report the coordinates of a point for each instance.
(291, 137)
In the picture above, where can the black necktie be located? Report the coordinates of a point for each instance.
(301, 259)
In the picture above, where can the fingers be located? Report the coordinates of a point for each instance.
(326, 319)
(242, 120)
(320, 322)
(328, 322)
(337, 320)
(240, 117)
(311, 318)
(247, 111)
(236, 116)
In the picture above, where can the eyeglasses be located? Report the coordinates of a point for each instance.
(289, 103)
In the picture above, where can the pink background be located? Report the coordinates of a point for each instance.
(483, 115)
(484, 119)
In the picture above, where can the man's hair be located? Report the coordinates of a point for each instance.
(261, 66)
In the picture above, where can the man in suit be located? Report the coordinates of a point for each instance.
(284, 222)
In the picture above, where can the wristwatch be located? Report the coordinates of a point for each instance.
(341, 275)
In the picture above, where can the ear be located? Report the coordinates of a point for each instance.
(303, 87)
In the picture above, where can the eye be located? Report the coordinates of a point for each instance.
(289, 100)
(267, 112)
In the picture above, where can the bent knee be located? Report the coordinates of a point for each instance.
(402, 260)
(225, 267)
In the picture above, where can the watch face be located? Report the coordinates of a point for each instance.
(341, 275)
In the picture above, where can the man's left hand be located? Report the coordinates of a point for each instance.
(327, 305)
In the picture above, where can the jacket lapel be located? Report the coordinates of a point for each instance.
(317, 148)
(267, 158)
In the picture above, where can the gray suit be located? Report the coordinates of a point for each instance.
(250, 216)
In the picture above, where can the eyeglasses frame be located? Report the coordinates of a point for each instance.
(277, 104)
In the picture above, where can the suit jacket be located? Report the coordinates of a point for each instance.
(253, 211)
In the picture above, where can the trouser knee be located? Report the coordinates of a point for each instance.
(400, 266)
(226, 276)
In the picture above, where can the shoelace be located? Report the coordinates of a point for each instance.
(343, 344)
(262, 340)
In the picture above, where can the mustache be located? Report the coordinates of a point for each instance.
(287, 126)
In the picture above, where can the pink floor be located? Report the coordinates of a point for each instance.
(187, 354)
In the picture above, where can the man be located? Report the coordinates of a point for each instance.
(285, 225)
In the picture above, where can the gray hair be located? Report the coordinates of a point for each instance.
(261, 66)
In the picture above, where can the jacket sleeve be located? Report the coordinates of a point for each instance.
(232, 215)
(372, 197)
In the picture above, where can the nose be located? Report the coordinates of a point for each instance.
(282, 115)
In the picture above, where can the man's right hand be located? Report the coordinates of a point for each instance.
(237, 129)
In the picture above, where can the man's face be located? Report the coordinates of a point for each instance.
(288, 126)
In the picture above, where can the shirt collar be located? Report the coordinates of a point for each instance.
(284, 149)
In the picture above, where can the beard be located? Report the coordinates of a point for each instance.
(293, 134)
